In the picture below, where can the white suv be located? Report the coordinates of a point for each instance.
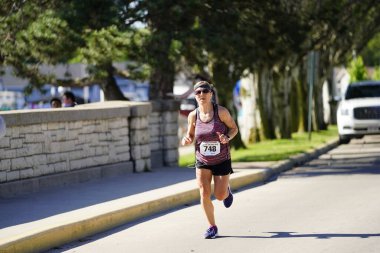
(359, 111)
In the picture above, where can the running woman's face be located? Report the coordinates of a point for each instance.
(202, 94)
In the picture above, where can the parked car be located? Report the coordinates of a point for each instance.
(358, 112)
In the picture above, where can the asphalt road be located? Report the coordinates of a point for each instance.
(330, 204)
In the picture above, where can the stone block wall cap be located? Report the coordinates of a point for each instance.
(141, 109)
(91, 111)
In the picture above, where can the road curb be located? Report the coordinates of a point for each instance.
(300, 159)
(68, 227)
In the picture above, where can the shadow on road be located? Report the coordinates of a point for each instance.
(316, 236)
(48, 203)
(359, 157)
(328, 170)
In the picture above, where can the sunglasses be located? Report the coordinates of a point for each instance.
(204, 91)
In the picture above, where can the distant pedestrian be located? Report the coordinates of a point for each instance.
(2, 127)
(69, 99)
(211, 127)
(55, 103)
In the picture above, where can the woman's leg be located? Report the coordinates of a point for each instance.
(204, 177)
(221, 187)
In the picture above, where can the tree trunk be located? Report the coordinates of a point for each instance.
(283, 101)
(225, 85)
(255, 135)
(265, 102)
(295, 105)
(161, 82)
(318, 108)
(237, 142)
(302, 95)
(163, 69)
(110, 88)
(332, 102)
(318, 94)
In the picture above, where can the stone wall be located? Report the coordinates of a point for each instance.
(163, 128)
(87, 141)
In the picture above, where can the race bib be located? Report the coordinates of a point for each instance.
(210, 148)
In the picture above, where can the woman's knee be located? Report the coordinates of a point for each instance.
(220, 194)
(220, 188)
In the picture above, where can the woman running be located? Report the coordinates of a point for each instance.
(211, 127)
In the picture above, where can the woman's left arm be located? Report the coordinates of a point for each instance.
(227, 119)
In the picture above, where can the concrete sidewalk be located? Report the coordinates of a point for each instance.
(38, 222)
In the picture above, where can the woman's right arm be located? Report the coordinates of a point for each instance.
(189, 137)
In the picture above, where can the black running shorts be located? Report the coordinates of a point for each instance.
(221, 169)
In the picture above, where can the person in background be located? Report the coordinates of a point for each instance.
(68, 99)
(211, 127)
(2, 127)
(55, 103)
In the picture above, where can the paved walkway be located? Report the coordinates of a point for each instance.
(40, 221)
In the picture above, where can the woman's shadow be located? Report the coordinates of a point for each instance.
(296, 235)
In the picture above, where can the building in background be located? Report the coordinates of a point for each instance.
(11, 100)
(12, 96)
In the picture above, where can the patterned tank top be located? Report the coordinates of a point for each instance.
(208, 149)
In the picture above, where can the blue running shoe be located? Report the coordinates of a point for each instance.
(228, 201)
(211, 232)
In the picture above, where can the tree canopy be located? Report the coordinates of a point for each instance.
(371, 53)
(223, 39)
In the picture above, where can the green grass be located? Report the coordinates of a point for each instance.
(275, 150)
